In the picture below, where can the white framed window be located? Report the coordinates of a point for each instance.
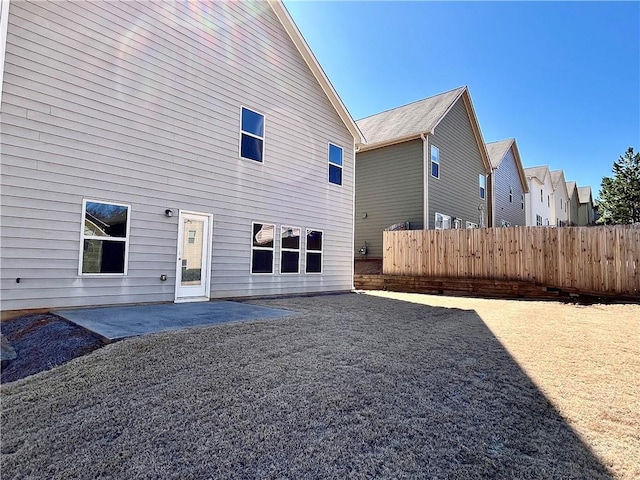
(546, 221)
(538, 220)
(104, 238)
(510, 194)
(191, 236)
(443, 222)
(262, 247)
(548, 200)
(560, 204)
(251, 135)
(457, 223)
(313, 247)
(290, 249)
(471, 225)
(335, 164)
(522, 201)
(435, 161)
(482, 183)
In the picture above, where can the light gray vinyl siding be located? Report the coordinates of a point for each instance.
(389, 190)
(139, 103)
(456, 192)
(505, 177)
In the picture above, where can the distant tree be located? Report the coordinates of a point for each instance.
(619, 201)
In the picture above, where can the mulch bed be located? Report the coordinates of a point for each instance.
(42, 342)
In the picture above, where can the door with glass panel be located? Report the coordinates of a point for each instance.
(194, 257)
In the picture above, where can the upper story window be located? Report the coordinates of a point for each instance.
(314, 251)
(262, 247)
(522, 201)
(443, 222)
(105, 238)
(541, 196)
(482, 181)
(510, 194)
(560, 204)
(548, 200)
(435, 161)
(335, 164)
(289, 249)
(252, 135)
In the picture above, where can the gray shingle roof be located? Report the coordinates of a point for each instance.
(409, 120)
(570, 187)
(584, 194)
(497, 151)
(538, 172)
(556, 177)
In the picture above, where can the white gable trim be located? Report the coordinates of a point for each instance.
(300, 43)
(4, 24)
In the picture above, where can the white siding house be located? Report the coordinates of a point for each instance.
(168, 151)
(538, 200)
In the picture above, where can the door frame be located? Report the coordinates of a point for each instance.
(207, 248)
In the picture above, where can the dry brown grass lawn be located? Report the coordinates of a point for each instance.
(584, 358)
(352, 386)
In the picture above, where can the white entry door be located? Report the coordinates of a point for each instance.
(194, 257)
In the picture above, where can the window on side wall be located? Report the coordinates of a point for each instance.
(482, 182)
(510, 194)
(251, 135)
(435, 161)
(335, 164)
(522, 201)
(538, 220)
(105, 238)
(289, 249)
(262, 247)
(471, 225)
(443, 222)
(457, 223)
(313, 248)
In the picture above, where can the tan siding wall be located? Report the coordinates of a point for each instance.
(139, 103)
(389, 190)
(506, 176)
(456, 192)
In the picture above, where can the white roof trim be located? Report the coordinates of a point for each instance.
(301, 44)
(4, 24)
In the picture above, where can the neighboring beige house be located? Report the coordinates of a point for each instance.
(560, 199)
(538, 200)
(424, 163)
(586, 212)
(151, 152)
(509, 184)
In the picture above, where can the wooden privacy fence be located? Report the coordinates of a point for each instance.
(577, 259)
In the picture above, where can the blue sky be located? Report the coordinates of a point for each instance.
(563, 78)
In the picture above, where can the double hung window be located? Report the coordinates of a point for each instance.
(262, 247)
(252, 135)
(314, 251)
(105, 238)
(289, 249)
(435, 161)
(335, 164)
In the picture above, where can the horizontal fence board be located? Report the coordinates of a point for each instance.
(590, 260)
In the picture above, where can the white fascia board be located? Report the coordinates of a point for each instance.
(302, 46)
(4, 25)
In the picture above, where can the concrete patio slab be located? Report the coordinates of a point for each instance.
(114, 323)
